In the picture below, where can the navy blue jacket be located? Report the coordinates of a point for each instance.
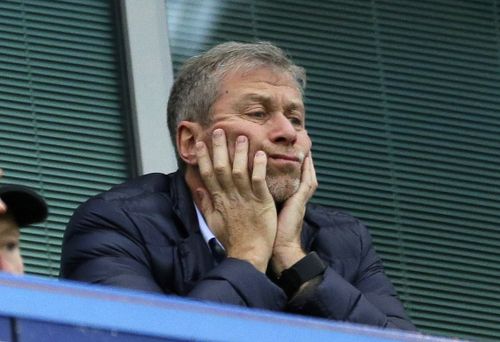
(144, 235)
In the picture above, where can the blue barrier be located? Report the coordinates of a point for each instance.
(5, 329)
(40, 309)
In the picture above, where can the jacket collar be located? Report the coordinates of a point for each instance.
(183, 205)
(193, 255)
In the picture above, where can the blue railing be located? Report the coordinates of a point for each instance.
(40, 309)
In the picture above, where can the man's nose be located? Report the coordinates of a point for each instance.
(282, 130)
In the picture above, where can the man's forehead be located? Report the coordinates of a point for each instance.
(259, 83)
(265, 74)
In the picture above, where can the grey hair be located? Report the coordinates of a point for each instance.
(196, 86)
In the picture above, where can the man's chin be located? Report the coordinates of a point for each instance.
(282, 188)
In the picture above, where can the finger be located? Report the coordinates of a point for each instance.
(314, 179)
(308, 183)
(222, 168)
(259, 175)
(3, 208)
(311, 171)
(240, 164)
(205, 167)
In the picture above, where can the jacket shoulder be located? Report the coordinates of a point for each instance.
(119, 222)
(147, 185)
(125, 207)
(331, 218)
(336, 233)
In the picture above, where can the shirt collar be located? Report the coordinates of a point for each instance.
(205, 230)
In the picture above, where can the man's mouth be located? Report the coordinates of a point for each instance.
(285, 157)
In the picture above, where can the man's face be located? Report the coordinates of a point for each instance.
(265, 106)
(10, 254)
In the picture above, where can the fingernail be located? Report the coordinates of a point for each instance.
(218, 133)
(260, 154)
(241, 139)
(199, 145)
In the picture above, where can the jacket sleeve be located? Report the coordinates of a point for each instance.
(102, 245)
(371, 299)
(238, 282)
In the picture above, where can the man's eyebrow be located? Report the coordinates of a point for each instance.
(253, 98)
(295, 105)
(257, 97)
(267, 99)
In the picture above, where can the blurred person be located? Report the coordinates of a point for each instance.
(19, 207)
(233, 224)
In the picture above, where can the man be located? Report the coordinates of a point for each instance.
(19, 206)
(237, 117)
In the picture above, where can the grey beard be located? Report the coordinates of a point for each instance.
(282, 187)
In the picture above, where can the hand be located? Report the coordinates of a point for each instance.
(3, 206)
(240, 210)
(287, 249)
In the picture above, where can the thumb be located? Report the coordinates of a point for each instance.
(209, 213)
(204, 201)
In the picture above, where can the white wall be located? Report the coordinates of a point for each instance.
(150, 79)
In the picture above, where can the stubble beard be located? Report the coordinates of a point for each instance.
(282, 184)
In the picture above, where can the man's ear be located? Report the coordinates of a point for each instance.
(188, 133)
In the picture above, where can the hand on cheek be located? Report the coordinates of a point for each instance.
(287, 248)
(236, 205)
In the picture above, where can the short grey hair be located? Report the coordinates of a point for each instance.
(196, 86)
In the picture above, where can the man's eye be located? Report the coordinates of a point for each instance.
(296, 121)
(257, 114)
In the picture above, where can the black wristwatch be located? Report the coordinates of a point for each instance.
(302, 271)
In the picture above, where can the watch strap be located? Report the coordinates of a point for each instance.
(302, 271)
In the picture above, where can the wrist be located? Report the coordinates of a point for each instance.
(258, 258)
(285, 257)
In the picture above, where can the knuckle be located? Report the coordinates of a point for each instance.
(257, 179)
(206, 173)
(219, 170)
(238, 173)
(233, 199)
(218, 202)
